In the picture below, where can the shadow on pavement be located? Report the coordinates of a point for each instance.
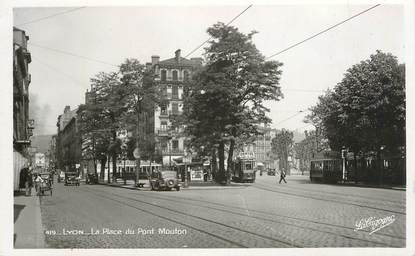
(214, 184)
(17, 209)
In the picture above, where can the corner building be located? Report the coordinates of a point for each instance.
(172, 74)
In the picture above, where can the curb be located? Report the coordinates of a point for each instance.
(372, 186)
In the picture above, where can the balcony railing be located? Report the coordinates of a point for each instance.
(164, 113)
(171, 112)
(175, 96)
(163, 132)
(173, 151)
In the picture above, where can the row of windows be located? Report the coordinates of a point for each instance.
(174, 109)
(175, 75)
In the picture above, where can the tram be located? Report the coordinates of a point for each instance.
(243, 169)
(326, 167)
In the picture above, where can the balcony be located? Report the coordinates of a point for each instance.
(175, 96)
(164, 113)
(171, 96)
(175, 113)
(163, 132)
(173, 151)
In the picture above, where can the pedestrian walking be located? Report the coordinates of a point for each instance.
(28, 181)
(282, 176)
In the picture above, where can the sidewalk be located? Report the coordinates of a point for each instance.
(28, 230)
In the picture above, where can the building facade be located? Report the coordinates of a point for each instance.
(172, 74)
(68, 140)
(261, 149)
(22, 125)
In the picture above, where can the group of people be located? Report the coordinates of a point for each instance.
(28, 178)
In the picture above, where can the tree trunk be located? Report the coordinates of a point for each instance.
(109, 178)
(230, 161)
(94, 155)
(103, 161)
(380, 167)
(114, 155)
(221, 152)
(355, 166)
(114, 166)
(214, 165)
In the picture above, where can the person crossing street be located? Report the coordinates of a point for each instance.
(282, 176)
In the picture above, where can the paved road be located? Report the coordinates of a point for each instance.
(264, 214)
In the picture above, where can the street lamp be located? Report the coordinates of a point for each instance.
(124, 157)
(169, 137)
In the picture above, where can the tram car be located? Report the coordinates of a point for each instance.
(243, 169)
(326, 167)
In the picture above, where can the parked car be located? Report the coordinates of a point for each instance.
(92, 178)
(165, 180)
(271, 172)
(71, 178)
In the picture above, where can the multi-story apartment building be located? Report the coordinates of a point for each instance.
(22, 126)
(261, 148)
(68, 141)
(172, 75)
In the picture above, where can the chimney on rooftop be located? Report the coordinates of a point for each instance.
(177, 55)
(155, 59)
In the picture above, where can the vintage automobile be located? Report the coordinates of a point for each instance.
(165, 180)
(71, 178)
(92, 178)
(271, 172)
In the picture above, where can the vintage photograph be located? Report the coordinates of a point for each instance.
(209, 126)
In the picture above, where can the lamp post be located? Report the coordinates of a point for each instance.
(169, 137)
(124, 157)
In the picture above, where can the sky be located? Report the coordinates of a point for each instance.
(112, 34)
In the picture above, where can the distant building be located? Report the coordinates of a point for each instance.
(22, 126)
(68, 140)
(172, 75)
(260, 148)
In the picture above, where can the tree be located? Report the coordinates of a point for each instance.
(118, 102)
(224, 100)
(366, 110)
(98, 120)
(140, 96)
(282, 146)
(304, 150)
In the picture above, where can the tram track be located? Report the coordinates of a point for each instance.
(237, 210)
(188, 216)
(354, 196)
(297, 193)
(351, 234)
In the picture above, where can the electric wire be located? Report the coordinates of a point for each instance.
(323, 31)
(227, 24)
(50, 16)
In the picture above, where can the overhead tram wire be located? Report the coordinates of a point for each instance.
(73, 55)
(62, 73)
(227, 24)
(290, 117)
(323, 31)
(50, 16)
